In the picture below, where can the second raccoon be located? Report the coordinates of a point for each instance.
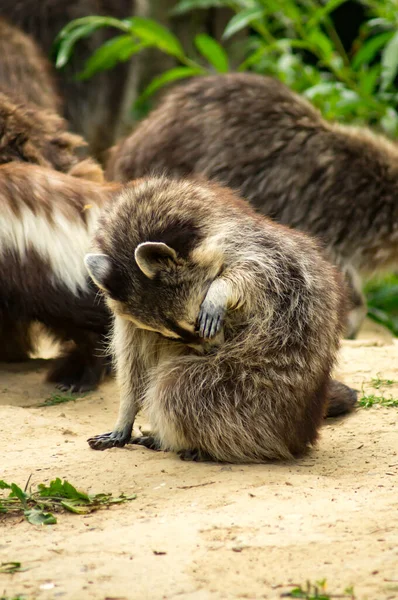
(47, 220)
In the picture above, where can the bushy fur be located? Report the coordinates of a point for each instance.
(337, 183)
(47, 220)
(31, 128)
(95, 108)
(254, 385)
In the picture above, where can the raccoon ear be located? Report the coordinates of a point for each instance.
(151, 257)
(99, 267)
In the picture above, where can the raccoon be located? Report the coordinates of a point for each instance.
(95, 108)
(31, 128)
(226, 325)
(25, 74)
(47, 222)
(252, 133)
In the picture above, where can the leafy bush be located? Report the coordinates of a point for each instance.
(294, 40)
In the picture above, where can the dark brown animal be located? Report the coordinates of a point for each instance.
(95, 108)
(31, 129)
(338, 183)
(47, 220)
(226, 324)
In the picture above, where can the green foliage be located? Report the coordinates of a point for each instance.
(294, 41)
(317, 591)
(11, 567)
(57, 496)
(369, 399)
(378, 382)
(55, 399)
(213, 52)
(382, 298)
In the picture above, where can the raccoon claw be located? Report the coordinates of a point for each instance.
(210, 319)
(113, 439)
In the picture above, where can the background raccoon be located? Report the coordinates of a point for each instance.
(226, 325)
(45, 231)
(95, 108)
(252, 133)
(31, 128)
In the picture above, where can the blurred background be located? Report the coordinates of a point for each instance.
(114, 57)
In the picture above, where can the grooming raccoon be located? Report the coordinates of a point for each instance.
(98, 107)
(338, 183)
(45, 231)
(226, 324)
(31, 128)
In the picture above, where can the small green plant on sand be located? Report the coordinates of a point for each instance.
(369, 399)
(317, 591)
(38, 506)
(378, 382)
(55, 399)
(11, 567)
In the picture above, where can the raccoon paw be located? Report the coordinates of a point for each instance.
(210, 319)
(148, 441)
(113, 439)
(194, 456)
(76, 376)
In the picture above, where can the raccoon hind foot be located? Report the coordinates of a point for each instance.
(194, 456)
(71, 373)
(148, 441)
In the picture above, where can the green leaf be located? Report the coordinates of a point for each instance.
(67, 43)
(241, 20)
(325, 10)
(75, 506)
(369, 79)
(18, 493)
(185, 6)
(322, 42)
(38, 517)
(4, 485)
(167, 77)
(254, 58)
(212, 51)
(155, 34)
(369, 49)
(11, 567)
(118, 49)
(389, 62)
(60, 489)
(95, 22)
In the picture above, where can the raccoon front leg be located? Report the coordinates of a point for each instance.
(131, 375)
(221, 295)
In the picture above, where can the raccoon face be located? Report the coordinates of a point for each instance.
(157, 290)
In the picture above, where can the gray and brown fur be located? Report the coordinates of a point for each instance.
(31, 128)
(226, 324)
(338, 183)
(47, 221)
(95, 108)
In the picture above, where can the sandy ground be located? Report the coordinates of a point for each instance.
(223, 531)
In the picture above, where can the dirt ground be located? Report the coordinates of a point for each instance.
(198, 531)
